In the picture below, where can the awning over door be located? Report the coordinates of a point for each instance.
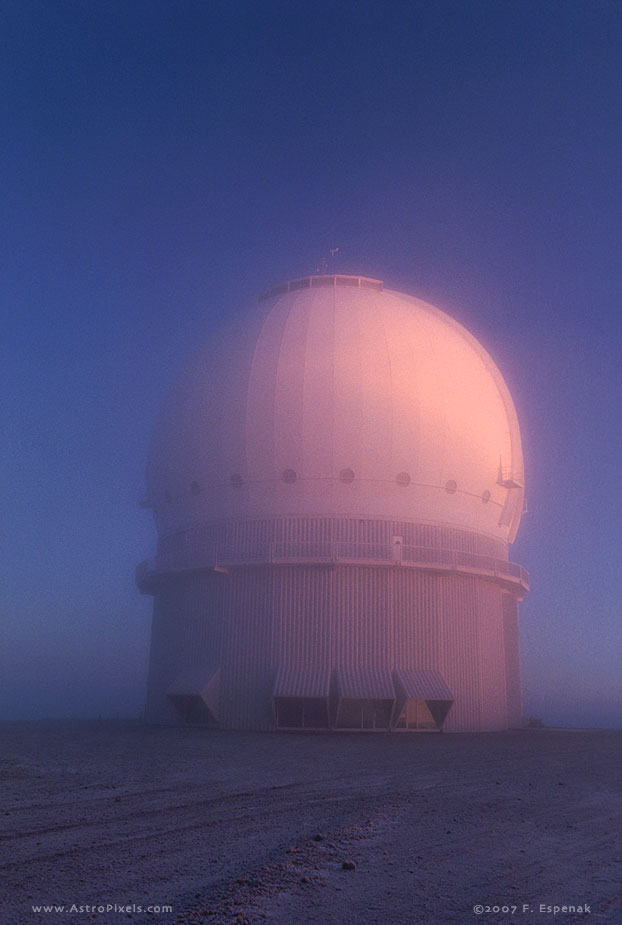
(300, 697)
(301, 681)
(195, 694)
(426, 687)
(424, 684)
(364, 683)
(363, 697)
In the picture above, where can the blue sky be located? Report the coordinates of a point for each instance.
(164, 162)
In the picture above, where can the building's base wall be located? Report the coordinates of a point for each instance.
(252, 620)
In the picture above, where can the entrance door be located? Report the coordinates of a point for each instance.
(416, 716)
(301, 713)
(364, 714)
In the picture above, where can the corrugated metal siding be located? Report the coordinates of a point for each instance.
(417, 684)
(187, 633)
(256, 619)
(359, 615)
(248, 678)
(492, 657)
(370, 683)
(512, 660)
(311, 681)
(456, 650)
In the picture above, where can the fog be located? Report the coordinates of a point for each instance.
(167, 164)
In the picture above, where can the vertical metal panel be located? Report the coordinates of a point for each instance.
(421, 684)
(492, 656)
(358, 683)
(512, 659)
(302, 681)
(257, 618)
(187, 635)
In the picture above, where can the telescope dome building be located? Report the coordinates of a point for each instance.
(335, 481)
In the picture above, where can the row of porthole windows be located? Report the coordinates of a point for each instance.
(346, 475)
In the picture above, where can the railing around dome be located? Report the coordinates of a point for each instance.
(216, 556)
(313, 282)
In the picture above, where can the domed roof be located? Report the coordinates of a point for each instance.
(338, 397)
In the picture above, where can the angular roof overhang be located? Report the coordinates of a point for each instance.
(420, 684)
(302, 681)
(423, 684)
(364, 683)
(200, 683)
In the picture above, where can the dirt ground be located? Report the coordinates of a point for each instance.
(248, 827)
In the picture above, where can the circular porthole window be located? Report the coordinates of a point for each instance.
(486, 496)
(451, 487)
(195, 488)
(346, 475)
(236, 480)
(289, 475)
(403, 479)
(168, 497)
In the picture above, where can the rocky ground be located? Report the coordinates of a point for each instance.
(250, 828)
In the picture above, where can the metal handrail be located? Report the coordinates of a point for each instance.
(211, 555)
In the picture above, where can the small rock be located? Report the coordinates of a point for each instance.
(348, 865)
(318, 837)
(304, 880)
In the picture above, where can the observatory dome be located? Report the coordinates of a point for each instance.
(335, 396)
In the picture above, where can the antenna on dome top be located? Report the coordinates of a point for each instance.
(323, 267)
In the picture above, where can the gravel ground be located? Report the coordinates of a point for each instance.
(231, 827)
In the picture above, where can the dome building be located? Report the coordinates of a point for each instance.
(335, 484)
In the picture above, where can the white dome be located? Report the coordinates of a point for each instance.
(337, 397)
